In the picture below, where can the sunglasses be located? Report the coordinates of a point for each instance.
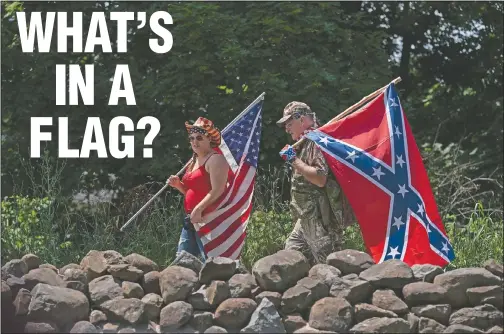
(198, 138)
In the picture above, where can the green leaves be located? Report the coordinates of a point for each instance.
(20, 225)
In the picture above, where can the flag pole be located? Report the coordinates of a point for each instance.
(260, 97)
(352, 108)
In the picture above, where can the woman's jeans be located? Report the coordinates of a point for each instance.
(189, 240)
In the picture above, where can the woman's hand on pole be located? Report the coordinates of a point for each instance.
(174, 181)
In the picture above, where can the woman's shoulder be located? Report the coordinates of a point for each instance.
(218, 160)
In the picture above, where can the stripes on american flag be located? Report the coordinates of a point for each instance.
(223, 230)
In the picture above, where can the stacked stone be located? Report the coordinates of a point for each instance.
(109, 293)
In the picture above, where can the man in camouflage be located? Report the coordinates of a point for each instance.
(318, 206)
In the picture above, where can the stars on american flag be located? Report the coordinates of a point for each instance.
(244, 132)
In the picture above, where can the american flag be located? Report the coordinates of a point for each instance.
(223, 230)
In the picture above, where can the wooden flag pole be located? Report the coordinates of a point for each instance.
(353, 107)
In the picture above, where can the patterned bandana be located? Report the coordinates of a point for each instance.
(206, 127)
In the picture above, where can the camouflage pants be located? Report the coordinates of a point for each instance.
(313, 240)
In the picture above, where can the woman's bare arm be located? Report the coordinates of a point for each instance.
(218, 168)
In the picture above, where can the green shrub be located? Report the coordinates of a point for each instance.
(266, 234)
(21, 226)
(477, 241)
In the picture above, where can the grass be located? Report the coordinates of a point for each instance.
(60, 232)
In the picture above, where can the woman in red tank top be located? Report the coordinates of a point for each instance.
(204, 181)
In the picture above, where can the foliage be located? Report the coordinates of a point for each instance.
(21, 233)
(224, 55)
(266, 234)
(477, 241)
(457, 186)
(330, 55)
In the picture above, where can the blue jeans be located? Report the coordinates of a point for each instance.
(189, 241)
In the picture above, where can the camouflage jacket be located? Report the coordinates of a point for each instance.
(309, 201)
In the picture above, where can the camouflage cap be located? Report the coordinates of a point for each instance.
(294, 109)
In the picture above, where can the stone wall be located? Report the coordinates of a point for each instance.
(110, 293)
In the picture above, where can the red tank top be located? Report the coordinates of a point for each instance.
(198, 185)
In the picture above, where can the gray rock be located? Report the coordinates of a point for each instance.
(217, 292)
(462, 329)
(495, 329)
(57, 305)
(280, 271)
(234, 313)
(201, 321)
(426, 272)
(215, 329)
(440, 312)
(492, 295)
(199, 300)
(72, 274)
(6, 293)
(459, 280)
(391, 274)
(381, 325)
(355, 291)
(97, 317)
(104, 288)
(84, 327)
(352, 277)
(15, 284)
(303, 295)
(325, 273)
(413, 322)
(494, 267)
(482, 317)
(150, 282)
(422, 293)
(110, 328)
(40, 327)
(177, 283)
(426, 325)
(189, 261)
(94, 264)
(274, 297)
(265, 319)
(42, 275)
(218, 269)
(241, 285)
(76, 285)
(22, 302)
(129, 310)
(175, 315)
(365, 311)
(16, 268)
(62, 270)
(132, 290)
(388, 300)
(125, 272)
(331, 314)
(350, 261)
(152, 304)
(32, 261)
(293, 322)
(112, 257)
(308, 329)
(49, 266)
(141, 262)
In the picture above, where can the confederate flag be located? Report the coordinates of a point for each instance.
(374, 157)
